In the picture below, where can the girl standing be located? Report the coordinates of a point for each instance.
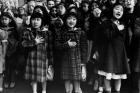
(73, 45)
(9, 26)
(38, 42)
(3, 40)
(110, 39)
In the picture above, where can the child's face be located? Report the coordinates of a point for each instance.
(85, 7)
(5, 20)
(71, 21)
(53, 11)
(94, 5)
(21, 11)
(50, 4)
(96, 12)
(57, 2)
(61, 10)
(31, 6)
(129, 3)
(36, 22)
(118, 11)
(113, 1)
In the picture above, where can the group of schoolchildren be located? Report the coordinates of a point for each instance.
(97, 39)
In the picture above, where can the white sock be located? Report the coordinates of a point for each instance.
(34, 87)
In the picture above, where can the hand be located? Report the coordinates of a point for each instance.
(120, 27)
(84, 74)
(50, 66)
(71, 43)
(96, 55)
(39, 40)
(128, 60)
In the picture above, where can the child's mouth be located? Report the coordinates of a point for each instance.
(118, 14)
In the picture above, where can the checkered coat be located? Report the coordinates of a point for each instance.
(72, 57)
(39, 56)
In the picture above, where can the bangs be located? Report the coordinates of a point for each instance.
(36, 15)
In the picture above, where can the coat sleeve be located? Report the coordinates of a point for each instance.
(83, 47)
(137, 27)
(59, 42)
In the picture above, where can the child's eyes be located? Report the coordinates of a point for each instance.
(74, 19)
(38, 19)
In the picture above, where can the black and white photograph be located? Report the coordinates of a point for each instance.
(69, 46)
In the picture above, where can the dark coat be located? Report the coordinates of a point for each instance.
(11, 46)
(135, 47)
(111, 48)
(72, 57)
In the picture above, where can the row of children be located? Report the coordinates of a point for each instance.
(67, 36)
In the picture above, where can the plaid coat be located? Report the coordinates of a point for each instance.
(72, 57)
(39, 56)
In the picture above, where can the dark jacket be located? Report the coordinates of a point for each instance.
(135, 47)
(110, 44)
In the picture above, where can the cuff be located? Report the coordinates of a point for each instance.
(4, 40)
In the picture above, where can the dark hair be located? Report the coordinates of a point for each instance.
(25, 13)
(54, 7)
(73, 7)
(84, 2)
(46, 16)
(30, 0)
(37, 15)
(68, 14)
(116, 4)
(12, 23)
(7, 14)
(82, 5)
(94, 2)
(50, 0)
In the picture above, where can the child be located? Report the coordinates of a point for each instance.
(49, 4)
(3, 39)
(135, 53)
(110, 39)
(9, 25)
(43, 11)
(94, 21)
(56, 24)
(84, 13)
(38, 41)
(73, 45)
(29, 9)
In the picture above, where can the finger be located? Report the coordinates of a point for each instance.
(41, 41)
(74, 43)
(69, 40)
(41, 38)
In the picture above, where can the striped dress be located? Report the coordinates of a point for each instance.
(39, 56)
